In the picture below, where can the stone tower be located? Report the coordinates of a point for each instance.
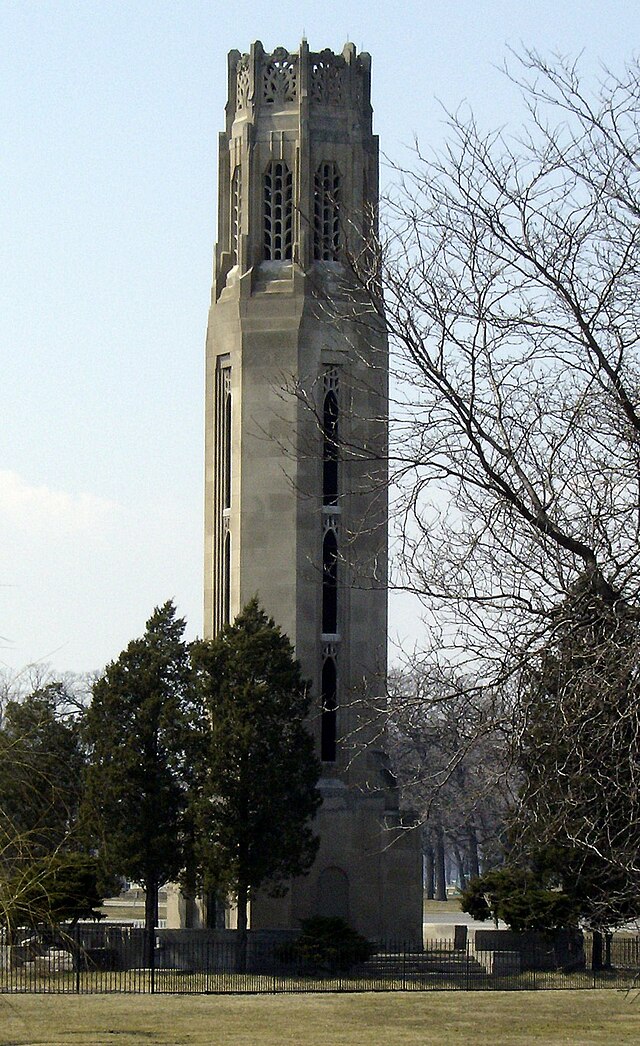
(296, 409)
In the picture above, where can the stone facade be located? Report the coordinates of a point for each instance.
(296, 425)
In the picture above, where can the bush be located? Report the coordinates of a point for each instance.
(521, 899)
(328, 944)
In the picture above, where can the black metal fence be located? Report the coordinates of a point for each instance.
(111, 958)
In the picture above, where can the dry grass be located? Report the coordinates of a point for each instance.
(579, 1018)
(450, 907)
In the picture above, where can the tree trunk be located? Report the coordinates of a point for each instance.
(210, 910)
(474, 860)
(429, 869)
(462, 878)
(242, 900)
(150, 920)
(597, 951)
(439, 872)
(215, 909)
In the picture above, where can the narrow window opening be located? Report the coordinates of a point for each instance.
(236, 203)
(227, 580)
(330, 450)
(327, 188)
(278, 212)
(227, 451)
(330, 584)
(328, 721)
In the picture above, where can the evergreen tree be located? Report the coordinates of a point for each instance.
(577, 819)
(575, 827)
(259, 771)
(522, 899)
(138, 729)
(41, 760)
(58, 888)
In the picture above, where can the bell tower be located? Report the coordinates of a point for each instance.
(296, 435)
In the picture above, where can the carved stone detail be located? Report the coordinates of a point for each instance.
(331, 380)
(279, 79)
(327, 72)
(330, 650)
(242, 83)
(331, 521)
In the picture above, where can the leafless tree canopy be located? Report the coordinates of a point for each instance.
(509, 268)
(509, 275)
(451, 758)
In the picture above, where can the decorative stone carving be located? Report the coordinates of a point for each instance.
(279, 80)
(331, 521)
(327, 72)
(331, 380)
(330, 650)
(242, 83)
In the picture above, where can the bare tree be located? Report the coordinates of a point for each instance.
(508, 278)
(451, 758)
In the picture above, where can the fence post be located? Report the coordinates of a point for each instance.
(274, 963)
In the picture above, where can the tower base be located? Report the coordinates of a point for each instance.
(368, 871)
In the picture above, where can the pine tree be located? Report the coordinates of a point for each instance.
(139, 729)
(259, 773)
(41, 760)
(41, 763)
(578, 813)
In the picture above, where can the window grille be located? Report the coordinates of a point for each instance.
(278, 211)
(326, 239)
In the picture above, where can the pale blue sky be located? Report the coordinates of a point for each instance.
(108, 134)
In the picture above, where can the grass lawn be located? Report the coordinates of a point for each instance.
(577, 1018)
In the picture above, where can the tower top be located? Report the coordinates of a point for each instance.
(298, 181)
(262, 83)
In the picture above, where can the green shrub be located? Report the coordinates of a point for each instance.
(328, 943)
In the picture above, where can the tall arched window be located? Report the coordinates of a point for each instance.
(330, 449)
(326, 229)
(328, 718)
(278, 211)
(330, 583)
(227, 452)
(226, 605)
